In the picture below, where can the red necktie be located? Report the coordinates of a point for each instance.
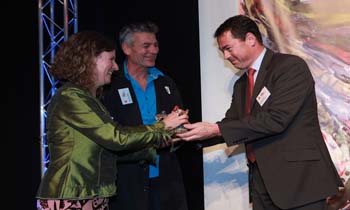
(250, 87)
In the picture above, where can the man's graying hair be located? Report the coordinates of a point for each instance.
(126, 33)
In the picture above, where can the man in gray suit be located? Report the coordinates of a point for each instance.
(289, 164)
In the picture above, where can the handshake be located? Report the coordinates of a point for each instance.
(177, 123)
(181, 130)
(174, 121)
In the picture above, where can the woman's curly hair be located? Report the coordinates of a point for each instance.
(75, 60)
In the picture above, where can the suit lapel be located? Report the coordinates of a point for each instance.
(259, 82)
(132, 108)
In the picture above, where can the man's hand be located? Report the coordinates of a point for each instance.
(199, 131)
(341, 200)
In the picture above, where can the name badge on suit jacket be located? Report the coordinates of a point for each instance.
(125, 96)
(263, 96)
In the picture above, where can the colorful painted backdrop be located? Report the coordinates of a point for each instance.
(316, 30)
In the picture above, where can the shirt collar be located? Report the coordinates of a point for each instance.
(257, 63)
(153, 72)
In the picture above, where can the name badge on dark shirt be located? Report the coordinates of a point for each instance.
(125, 96)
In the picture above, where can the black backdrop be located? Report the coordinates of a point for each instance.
(178, 57)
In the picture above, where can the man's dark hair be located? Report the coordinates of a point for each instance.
(239, 26)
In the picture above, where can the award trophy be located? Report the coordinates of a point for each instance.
(163, 114)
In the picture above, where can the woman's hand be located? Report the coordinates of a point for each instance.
(175, 119)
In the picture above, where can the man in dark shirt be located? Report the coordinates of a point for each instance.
(137, 93)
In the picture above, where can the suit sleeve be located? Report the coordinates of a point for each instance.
(290, 84)
(233, 112)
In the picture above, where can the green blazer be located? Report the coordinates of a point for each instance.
(81, 136)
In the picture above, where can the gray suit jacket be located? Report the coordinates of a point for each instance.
(291, 154)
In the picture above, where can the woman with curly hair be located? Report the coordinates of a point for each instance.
(82, 137)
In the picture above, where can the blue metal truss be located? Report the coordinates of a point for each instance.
(57, 20)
